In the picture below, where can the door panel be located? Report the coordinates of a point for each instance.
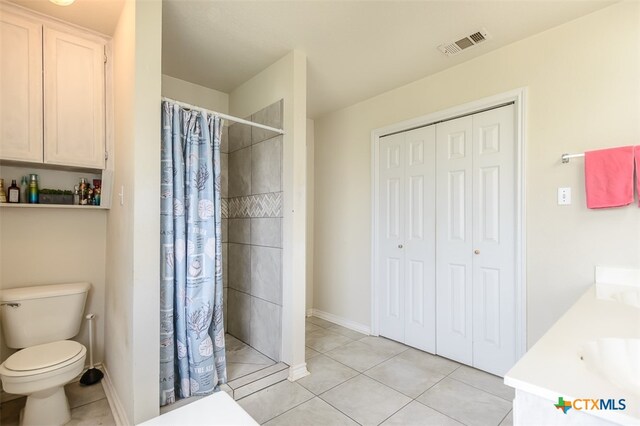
(494, 239)
(391, 261)
(74, 129)
(394, 288)
(21, 89)
(454, 239)
(419, 247)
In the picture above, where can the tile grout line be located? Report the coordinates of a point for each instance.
(396, 412)
(480, 389)
(336, 408)
(87, 403)
(445, 414)
(252, 244)
(295, 406)
(388, 359)
(505, 416)
(362, 373)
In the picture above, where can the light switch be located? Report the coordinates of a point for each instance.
(564, 196)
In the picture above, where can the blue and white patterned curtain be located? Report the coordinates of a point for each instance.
(192, 352)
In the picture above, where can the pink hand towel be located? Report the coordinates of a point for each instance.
(637, 149)
(608, 177)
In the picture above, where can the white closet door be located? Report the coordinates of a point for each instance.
(493, 240)
(391, 237)
(454, 162)
(407, 240)
(419, 243)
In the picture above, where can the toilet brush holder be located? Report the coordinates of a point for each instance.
(92, 375)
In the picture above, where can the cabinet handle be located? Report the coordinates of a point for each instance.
(399, 245)
(476, 251)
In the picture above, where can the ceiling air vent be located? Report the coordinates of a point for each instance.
(455, 47)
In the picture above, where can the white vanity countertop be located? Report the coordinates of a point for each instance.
(552, 367)
(216, 409)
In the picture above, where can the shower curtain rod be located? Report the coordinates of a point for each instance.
(225, 116)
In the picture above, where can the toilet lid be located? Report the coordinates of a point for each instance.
(43, 356)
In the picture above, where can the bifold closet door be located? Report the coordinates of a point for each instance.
(407, 237)
(454, 163)
(494, 240)
(476, 239)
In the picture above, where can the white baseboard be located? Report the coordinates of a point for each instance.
(346, 323)
(119, 415)
(298, 372)
(310, 312)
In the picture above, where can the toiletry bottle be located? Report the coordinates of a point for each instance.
(76, 195)
(13, 192)
(3, 195)
(83, 191)
(33, 189)
(24, 190)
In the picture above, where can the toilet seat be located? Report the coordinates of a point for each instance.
(43, 358)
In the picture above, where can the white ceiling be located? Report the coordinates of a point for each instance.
(355, 49)
(98, 15)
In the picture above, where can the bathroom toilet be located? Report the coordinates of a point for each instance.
(39, 321)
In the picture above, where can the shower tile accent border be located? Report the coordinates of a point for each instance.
(255, 206)
(224, 204)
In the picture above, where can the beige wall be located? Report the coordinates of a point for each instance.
(119, 294)
(133, 306)
(146, 236)
(194, 94)
(286, 79)
(52, 246)
(310, 210)
(583, 93)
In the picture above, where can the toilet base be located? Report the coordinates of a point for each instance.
(48, 407)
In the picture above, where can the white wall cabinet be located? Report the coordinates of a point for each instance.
(74, 100)
(53, 93)
(21, 88)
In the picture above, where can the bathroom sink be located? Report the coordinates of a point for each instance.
(623, 293)
(615, 359)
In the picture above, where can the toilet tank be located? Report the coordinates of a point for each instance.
(42, 314)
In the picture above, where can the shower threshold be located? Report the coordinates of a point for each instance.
(248, 370)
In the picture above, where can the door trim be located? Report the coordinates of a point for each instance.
(518, 98)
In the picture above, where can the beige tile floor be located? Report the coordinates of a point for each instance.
(88, 405)
(357, 379)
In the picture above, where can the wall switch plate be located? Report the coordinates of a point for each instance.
(564, 196)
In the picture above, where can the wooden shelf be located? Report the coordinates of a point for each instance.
(50, 206)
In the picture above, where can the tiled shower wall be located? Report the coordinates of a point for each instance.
(252, 231)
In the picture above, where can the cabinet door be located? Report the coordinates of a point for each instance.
(74, 99)
(21, 89)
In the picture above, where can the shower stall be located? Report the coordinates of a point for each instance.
(246, 241)
(251, 159)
